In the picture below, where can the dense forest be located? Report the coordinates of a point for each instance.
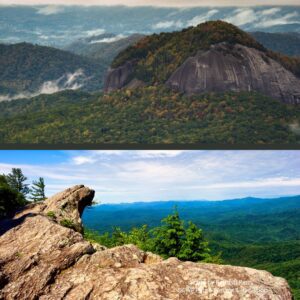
(259, 233)
(287, 43)
(157, 56)
(25, 68)
(148, 115)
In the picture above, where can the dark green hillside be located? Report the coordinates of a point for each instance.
(159, 55)
(25, 67)
(286, 43)
(148, 115)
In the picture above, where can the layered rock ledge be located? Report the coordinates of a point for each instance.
(42, 259)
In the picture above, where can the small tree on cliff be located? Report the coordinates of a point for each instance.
(38, 190)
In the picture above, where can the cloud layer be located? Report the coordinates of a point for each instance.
(166, 3)
(128, 176)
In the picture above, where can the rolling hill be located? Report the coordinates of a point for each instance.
(287, 43)
(149, 115)
(27, 70)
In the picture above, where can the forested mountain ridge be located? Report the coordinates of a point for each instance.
(149, 115)
(287, 43)
(29, 69)
(214, 56)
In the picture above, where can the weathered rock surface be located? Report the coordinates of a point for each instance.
(40, 259)
(235, 68)
(222, 68)
(118, 78)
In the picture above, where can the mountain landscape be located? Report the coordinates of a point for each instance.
(252, 232)
(43, 254)
(211, 82)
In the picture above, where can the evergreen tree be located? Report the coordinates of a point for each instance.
(167, 238)
(16, 180)
(10, 199)
(194, 247)
(38, 190)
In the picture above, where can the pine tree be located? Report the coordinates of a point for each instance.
(38, 190)
(16, 180)
(168, 236)
(194, 247)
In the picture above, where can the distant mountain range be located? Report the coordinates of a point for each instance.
(61, 25)
(212, 215)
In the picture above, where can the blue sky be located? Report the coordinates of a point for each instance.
(129, 176)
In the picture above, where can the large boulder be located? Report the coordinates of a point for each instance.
(235, 68)
(41, 259)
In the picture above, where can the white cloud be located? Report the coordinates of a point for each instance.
(202, 18)
(109, 40)
(69, 81)
(168, 24)
(158, 153)
(50, 10)
(96, 31)
(80, 160)
(291, 18)
(242, 16)
(262, 19)
(165, 3)
(126, 176)
(270, 11)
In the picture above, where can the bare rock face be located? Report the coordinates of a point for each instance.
(40, 259)
(235, 68)
(117, 78)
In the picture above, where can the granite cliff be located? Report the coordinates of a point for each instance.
(212, 57)
(44, 256)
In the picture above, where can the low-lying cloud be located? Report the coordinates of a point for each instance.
(69, 81)
(50, 10)
(262, 19)
(109, 40)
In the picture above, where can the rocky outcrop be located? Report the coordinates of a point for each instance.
(235, 68)
(40, 259)
(118, 78)
(222, 68)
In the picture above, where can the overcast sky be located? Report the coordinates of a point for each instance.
(176, 3)
(129, 176)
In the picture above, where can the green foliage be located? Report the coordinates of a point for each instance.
(171, 239)
(25, 67)
(68, 223)
(159, 55)
(10, 199)
(284, 42)
(194, 247)
(51, 214)
(168, 238)
(38, 190)
(148, 115)
(16, 180)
